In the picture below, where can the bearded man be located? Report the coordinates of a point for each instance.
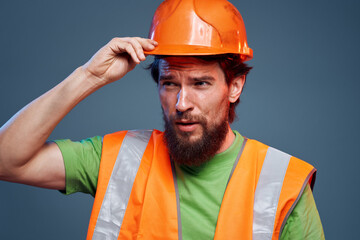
(199, 179)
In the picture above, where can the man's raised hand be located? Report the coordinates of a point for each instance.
(117, 58)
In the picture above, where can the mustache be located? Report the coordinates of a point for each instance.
(188, 117)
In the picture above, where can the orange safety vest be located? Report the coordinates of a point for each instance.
(137, 195)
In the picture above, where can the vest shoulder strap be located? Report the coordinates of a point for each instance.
(120, 160)
(281, 182)
(262, 192)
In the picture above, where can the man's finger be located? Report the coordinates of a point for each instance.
(131, 51)
(138, 48)
(119, 45)
(147, 44)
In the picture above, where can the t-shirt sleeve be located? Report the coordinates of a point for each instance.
(82, 161)
(304, 221)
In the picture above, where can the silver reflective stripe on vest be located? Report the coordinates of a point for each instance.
(120, 184)
(268, 192)
(173, 169)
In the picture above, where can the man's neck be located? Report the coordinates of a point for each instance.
(229, 139)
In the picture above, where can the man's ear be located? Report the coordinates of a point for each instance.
(235, 88)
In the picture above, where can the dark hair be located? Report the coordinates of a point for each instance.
(231, 65)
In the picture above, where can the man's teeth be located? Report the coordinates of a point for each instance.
(189, 123)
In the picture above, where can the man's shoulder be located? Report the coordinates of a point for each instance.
(136, 131)
(260, 146)
(142, 134)
(295, 166)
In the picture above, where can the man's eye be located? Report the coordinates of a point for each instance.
(168, 84)
(201, 83)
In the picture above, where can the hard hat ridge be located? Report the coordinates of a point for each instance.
(199, 27)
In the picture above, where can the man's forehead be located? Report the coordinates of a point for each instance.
(183, 63)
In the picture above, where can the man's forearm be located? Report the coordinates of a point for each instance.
(27, 131)
(24, 156)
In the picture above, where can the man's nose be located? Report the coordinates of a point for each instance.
(184, 101)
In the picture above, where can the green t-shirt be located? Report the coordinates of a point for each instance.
(201, 189)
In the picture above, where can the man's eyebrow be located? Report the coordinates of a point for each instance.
(165, 77)
(203, 78)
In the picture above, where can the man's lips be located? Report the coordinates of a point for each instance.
(186, 126)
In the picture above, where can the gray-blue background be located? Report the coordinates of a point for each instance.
(301, 97)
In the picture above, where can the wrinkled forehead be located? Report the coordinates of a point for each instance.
(186, 64)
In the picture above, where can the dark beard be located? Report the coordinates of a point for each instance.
(194, 153)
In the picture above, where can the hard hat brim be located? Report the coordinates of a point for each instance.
(194, 50)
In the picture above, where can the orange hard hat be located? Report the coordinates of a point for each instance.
(199, 27)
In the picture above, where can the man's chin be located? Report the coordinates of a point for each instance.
(193, 145)
(194, 148)
(189, 136)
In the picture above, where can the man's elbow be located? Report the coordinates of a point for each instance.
(8, 170)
